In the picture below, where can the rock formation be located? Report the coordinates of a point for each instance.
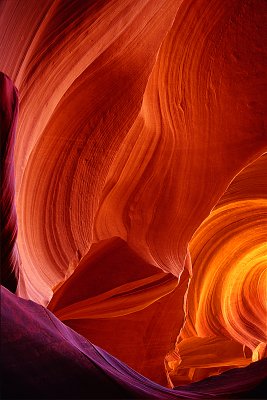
(134, 197)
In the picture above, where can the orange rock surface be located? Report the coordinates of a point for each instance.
(140, 172)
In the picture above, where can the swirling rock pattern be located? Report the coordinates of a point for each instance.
(153, 197)
(226, 300)
(89, 66)
(68, 365)
(136, 300)
(140, 193)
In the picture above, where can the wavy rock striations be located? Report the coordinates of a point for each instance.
(226, 300)
(139, 179)
(80, 81)
(114, 290)
(200, 123)
(71, 365)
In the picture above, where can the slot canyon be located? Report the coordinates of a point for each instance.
(133, 199)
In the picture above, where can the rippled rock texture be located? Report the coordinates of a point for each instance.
(134, 197)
